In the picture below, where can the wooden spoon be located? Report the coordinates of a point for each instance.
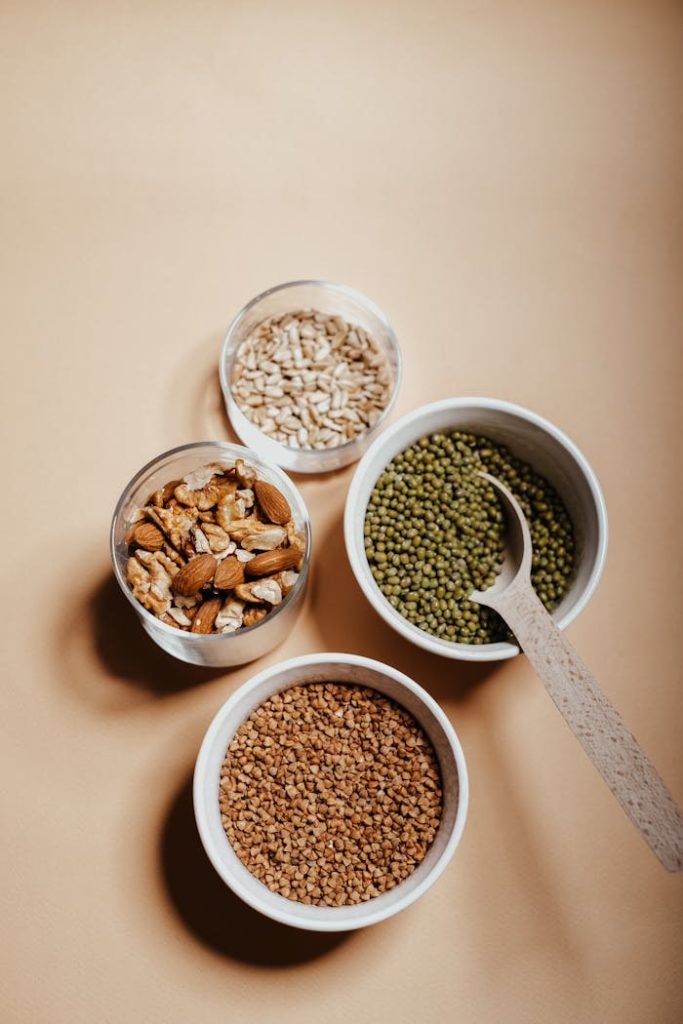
(598, 727)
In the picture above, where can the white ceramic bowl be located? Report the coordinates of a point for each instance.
(345, 668)
(528, 436)
(217, 649)
(336, 299)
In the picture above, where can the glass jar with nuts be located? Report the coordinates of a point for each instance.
(210, 547)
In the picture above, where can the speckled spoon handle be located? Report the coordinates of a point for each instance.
(598, 727)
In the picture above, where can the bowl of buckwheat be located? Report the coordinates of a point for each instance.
(310, 371)
(330, 792)
(211, 547)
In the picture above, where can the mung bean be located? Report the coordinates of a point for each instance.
(435, 531)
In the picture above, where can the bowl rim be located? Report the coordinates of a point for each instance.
(201, 782)
(147, 615)
(466, 652)
(224, 363)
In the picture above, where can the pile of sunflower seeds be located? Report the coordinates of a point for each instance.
(330, 793)
(310, 380)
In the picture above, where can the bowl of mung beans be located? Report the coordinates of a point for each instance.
(423, 529)
(330, 792)
(310, 371)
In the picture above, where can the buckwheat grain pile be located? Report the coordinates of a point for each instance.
(330, 793)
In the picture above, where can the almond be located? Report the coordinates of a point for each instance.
(229, 573)
(206, 615)
(270, 562)
(274, 505)
(147, 536)
(194, 575)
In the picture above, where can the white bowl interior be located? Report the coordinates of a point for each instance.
(337, 668)
(529, 437)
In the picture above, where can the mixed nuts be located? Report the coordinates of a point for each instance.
(215, 551)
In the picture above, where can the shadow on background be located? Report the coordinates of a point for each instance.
(102, 632)
(195, 401)
(127, 652)
(347, 622)
(211, 911)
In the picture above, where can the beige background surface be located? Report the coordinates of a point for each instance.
(505, 180)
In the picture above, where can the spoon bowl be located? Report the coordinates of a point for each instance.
(518, 549)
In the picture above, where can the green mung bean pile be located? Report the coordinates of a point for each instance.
(435, 531)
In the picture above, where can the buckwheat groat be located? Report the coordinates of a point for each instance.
(330, 793)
